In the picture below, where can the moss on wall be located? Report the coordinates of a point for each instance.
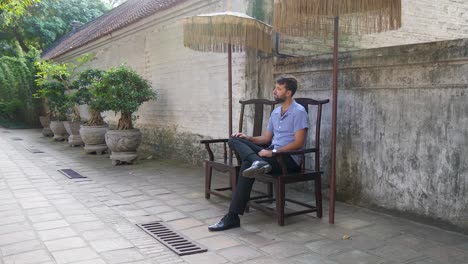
(163, 142)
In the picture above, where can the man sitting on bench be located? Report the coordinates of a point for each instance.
(286, 131)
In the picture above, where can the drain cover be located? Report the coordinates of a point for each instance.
(16, 139)
(32, 150)
(71, 173)
(171, 239)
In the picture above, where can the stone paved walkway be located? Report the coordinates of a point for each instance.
(48, 218)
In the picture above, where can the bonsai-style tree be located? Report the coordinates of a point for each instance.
(122, 90)
(65, 74)
(54, 93)
(84, 95)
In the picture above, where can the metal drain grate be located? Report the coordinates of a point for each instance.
(71, 173)
(33, 150)
(171, 239)
(16, 139)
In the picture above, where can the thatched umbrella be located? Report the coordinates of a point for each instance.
(227, 32)
(322, 17)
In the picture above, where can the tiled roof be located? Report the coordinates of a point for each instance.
(119, 17)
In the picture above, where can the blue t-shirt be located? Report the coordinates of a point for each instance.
(284, 127)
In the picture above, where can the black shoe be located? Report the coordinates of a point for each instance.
(257, 168)
(227, 222)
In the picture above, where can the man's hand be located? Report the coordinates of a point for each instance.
(240, 135)
(265, 153)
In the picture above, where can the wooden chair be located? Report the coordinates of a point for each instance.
(226, 163)
(280, 180)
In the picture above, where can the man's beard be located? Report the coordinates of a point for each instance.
(280, 100)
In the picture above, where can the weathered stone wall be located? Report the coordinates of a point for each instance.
(191, 86)
(422, 21)
(402, 126)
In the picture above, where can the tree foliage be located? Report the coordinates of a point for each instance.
(17, 86)
(13, 8)
(58, 82)
(42, 23)
(122, 90)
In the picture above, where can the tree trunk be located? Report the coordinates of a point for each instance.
(125, 121)
(20, 40)
(95, 119)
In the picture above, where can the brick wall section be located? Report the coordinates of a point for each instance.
(191, 86)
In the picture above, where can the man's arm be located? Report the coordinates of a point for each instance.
(260, 140)
(298, 143)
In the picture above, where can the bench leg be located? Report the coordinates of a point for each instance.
(208, 173)
(318, 196)
(280, 202)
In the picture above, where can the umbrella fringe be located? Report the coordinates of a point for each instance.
(215, 33)
(315, 17)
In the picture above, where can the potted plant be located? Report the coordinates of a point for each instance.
(93, 132)
(65, 74)
(57, 101)
(122, 90)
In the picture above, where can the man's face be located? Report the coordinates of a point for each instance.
(280, 93)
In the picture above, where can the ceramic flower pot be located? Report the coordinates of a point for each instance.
(73, 129)
(94, 138)
(123, 145)
(60, 134)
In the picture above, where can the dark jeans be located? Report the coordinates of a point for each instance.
(248, 153)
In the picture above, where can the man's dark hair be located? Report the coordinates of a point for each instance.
(290, 81)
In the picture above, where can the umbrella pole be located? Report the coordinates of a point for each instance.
(331, 218)
(230, 86)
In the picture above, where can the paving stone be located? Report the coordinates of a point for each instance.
(197, 232)
(110, 244)
(447, 254)
(11, 219)
(284, 249)
(356, 256)
(185, 223)
(74, 255)
(53, 234)
(44, 217)
(257, 239)
(82, 227)
(298, 236)
(204, 258)
(50, 225)
(65, 243)
(395, 253)
(264, 260)
(170, 216)
(239, 253)
(16, 237)
(353, 223)
(204, 214)
(148, 203)
(91, 261)
(99, 234)
(158, 209)
(20, 247)
(310, 259)
(30, 205)
(81, 218)
(412, 242)
(219, 242)
(32, 257)
(122, 256)
(191, 207)
(43, 210)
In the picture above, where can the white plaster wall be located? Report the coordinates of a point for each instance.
(191, 86)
